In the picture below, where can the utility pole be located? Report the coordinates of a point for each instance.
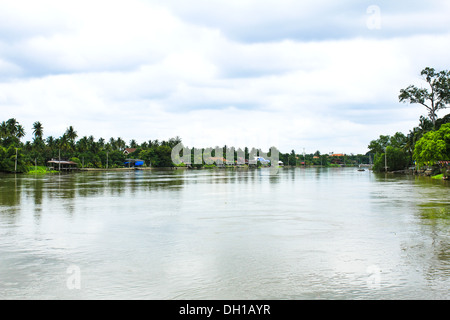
(15, 163)
(107, 153)
(304, 158)
(385, 159)
(59, 161)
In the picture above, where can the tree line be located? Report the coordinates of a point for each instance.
(88, 152)
(427, 144)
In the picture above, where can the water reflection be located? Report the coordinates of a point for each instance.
(10, 186)
(238, 234)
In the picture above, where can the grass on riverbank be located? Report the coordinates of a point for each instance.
(39, 170)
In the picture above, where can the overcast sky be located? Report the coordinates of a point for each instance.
(314, 75)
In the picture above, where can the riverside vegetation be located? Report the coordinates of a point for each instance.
(426, 146)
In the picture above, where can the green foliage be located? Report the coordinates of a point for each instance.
(78, 162)
(396, 159)
(398, 140)
(39, 170)
(115, 159)
(433, 146)
(157, 156)
(8, 160)
(162, 156)
(379, 145)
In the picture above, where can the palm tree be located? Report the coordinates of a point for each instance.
(92, 145)
(20, 131)
(101, 143)
(51, 146)
(38, 130)
(133, 143)
(63, 142)
(112, 143)
(144, 145)
(71, 134)
(108, 147)
(11, 127)
(51, 142)
(411, 140)
(82, 144)
(174, 141)
(120, 144)
(3, 130)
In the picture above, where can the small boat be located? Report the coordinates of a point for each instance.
(361, 169)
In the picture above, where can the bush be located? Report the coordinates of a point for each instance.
(78, 162)
(8, 160)
(397, 159)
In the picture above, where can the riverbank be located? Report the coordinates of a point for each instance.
(422, 173)
(45, 170)
(131, 169)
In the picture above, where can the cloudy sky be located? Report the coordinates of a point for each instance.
(314, 75)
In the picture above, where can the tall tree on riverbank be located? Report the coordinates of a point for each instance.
(71, 134)
(38, 130)
(11, 132)
(434, 99)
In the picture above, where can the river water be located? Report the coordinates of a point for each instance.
(303, 233)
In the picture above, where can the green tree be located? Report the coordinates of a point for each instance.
(396, 159)
(3, 130)
(133, 143)
(433, 99)
(379, 145)
(63, 143)
(162, 156)
(12, 160)
(71, 134)
(38, 130)
(83, 144)
(11, 132)
(433, 146)
(101, 143)
(20, 132)
(120, 144)
(398, 140)
(292, 158)
(443, 120)
(11, 127)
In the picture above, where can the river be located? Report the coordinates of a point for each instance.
(303, 233)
